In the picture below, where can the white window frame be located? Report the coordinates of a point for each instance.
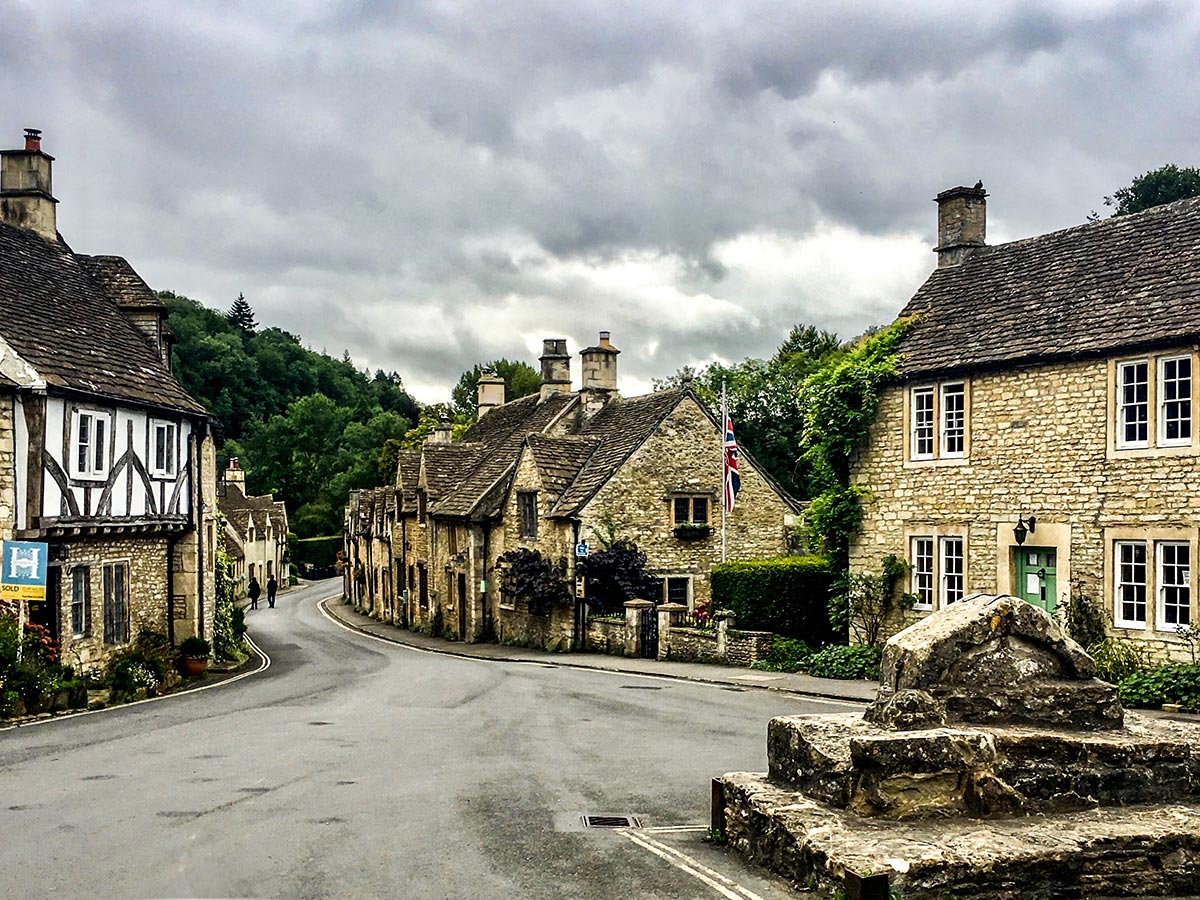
(945, 591)
(1119, 617)
(170, 448)
(96, 461)
(919, 428)
(1123, 406)
(922, 583)
(1184, 400)
(1181, 582)
(955, 389)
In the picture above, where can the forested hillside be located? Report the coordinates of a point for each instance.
(307, 427)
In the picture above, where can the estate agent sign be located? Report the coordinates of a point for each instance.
(23, 570)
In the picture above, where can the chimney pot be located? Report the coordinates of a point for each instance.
(33, 139)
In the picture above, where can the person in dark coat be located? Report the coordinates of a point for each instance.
(272, 587)
(253, 590)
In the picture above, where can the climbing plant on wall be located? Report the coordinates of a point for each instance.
(527, 575)
(841, 401)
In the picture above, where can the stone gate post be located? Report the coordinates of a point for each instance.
(633, 625)
(668, 614)
(725, 621)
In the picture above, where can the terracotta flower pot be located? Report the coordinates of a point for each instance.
(194, 667)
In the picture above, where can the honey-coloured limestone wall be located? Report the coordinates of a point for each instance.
(684, 458)
(1041, 443)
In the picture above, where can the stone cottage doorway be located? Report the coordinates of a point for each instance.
(1036, 572)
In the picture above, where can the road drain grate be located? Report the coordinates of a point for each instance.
(611, 822)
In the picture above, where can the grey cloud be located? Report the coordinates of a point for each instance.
(367, 170)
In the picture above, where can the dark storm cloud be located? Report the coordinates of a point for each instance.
(433, 184)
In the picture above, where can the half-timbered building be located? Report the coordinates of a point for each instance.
(103, 455)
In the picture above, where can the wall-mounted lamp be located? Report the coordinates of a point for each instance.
(1024, 527)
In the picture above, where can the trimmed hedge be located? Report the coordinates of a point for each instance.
(788, 595)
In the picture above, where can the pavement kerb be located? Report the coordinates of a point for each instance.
(376, 631)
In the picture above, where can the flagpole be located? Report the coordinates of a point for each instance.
(724, 474)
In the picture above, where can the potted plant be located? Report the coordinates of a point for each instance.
(194, 653)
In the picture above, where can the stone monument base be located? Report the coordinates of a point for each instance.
(1150, 850)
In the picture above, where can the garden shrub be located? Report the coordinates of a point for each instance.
(788, 595)
(785, 655)
(617, 574)
(841, 661)
(526, 574)
(149, 662)
(1117, 659)
(1167, 684)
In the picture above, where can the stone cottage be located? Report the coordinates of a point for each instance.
(560, 468)
(104, 456)
(1042, 440)
(256, 530)
(367, 552)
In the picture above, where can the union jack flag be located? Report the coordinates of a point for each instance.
(733, 482)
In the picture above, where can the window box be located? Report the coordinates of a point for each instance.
(692, 532)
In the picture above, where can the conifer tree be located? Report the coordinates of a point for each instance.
(241, 315)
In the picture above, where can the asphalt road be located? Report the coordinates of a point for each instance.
(355, 768)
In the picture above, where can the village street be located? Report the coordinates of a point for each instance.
(354, 768)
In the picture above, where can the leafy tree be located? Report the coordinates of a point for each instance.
(520, 380)
(1162, 185)
(241, 316)
(765, 401)
(307, 427)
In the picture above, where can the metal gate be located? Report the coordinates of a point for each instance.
(648, 642)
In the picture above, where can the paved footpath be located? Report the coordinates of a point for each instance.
(792, 683)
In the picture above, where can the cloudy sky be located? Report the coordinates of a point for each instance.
(432, 184)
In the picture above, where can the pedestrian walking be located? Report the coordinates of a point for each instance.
(272, 587)
(253, 590)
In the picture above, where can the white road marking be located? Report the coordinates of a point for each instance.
(723, 885)
(266, 664)
(671, 829)
(321, 606)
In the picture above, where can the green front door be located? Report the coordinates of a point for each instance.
(1036, 576)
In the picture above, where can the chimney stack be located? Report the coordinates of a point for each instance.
(962, 223)
(556, 368)
(235, 474)
(442, 434)
(490, 393)
(25, 188)
(599, 366)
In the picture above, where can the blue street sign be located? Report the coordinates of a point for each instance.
(581, 549)
(23, 570)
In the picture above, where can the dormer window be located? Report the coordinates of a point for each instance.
(90, 435)
(162, 449)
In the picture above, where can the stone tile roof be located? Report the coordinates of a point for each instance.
(408, 474)
(560, 459)
(56, 315)
(500, 441)
(241, 510)
(120, 282)
(445, 465)
(620, 428)
(1119, 284)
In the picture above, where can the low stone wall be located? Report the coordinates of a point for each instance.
(694, 644)
(520, 627)
(606, 636)
(743, 648)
